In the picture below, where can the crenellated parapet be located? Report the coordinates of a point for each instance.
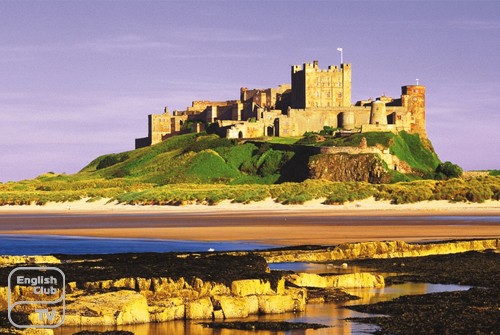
(316, 98)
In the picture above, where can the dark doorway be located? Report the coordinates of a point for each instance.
(270, 131)
(391, 118)
(240, 134)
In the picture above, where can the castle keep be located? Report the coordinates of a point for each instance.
(315, 99)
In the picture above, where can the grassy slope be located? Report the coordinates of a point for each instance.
(206, 168)
(194, 159)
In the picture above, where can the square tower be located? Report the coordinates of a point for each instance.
(313, 87)
(413, 100)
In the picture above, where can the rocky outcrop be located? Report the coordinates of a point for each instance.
(251, 287)
(235, 307)
(107, 309)
(27, 331)
(158, 299)
(390, 249)
(14, 260)
(276, 304)
(352, 280)
(345, 167)
(167, 310)
(140, 300)
(199, 309)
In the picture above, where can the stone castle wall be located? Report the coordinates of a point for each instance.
(313, 87)
(317, 98)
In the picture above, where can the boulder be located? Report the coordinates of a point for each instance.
(299, 296)
(351, 280)
(307, 280)
(199, 309)
(168, 310)
(234, 307)
(218, 314)
(275, 304)
(356, 280)
(107, 309)
(126, 283)
(247, 287)
(252, 304)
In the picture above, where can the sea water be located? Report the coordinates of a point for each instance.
(19, 244)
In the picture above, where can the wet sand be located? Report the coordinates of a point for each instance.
(276, 225)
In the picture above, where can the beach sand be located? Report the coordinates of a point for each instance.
(263, 222)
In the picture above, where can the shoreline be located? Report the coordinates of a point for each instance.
(263, 223)
(365, 207)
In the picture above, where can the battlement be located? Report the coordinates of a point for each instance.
(316, 98)
(413, 90)
(202, 104)
(314, 66)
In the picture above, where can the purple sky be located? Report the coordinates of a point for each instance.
(78, 78)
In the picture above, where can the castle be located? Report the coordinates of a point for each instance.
(315, 99)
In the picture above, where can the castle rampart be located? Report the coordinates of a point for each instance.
(316, 98)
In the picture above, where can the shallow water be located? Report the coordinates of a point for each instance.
(317, 268)
(20, 244)
(333, 315)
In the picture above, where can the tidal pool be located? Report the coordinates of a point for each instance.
(334, 315)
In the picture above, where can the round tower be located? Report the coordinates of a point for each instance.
(348, 120)
(378, 114)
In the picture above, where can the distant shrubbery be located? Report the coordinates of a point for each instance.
(42, 190)
(494, 173)
(111, 160)
(201, 168)
(448, 170)
(62, 188)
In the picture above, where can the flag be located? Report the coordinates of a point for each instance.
(339, 49)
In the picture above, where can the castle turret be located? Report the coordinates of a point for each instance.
(348, 120)
(378, 113)
(413, 100)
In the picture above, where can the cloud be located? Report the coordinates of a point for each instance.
(226, 35)
(123, 42)
(172, 41)
(204, 55)
(117, 43)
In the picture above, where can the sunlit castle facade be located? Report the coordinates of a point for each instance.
(316, 98)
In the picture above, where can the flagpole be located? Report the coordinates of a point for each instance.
(341, 55)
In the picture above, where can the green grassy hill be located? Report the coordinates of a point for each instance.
(196, 158)
(201, 168)
(193, 158)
